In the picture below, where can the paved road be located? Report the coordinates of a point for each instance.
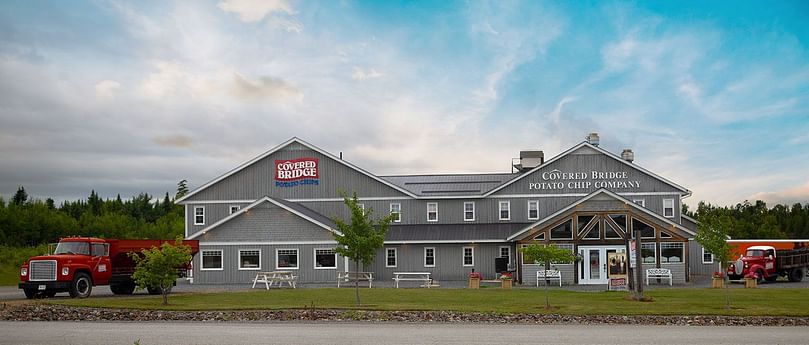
(383, 333)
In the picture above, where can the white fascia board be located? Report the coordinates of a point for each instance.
(765, 240)
(254, 243)
(445, 241)
(282, 145)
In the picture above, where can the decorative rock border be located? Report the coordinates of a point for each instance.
(45, 312)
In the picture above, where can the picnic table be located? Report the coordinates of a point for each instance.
(355, 276)
(413, 276)
(279, 277)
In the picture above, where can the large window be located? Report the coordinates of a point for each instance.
(563, 231)
(211, 260)
(396, 211)
(648, 253)
(390, 257)
(286, 259)
(707, 257)
(668, 208)
(249, 259)
(468, 256)
(671, 252)
(432, 211)
(199, 215)
(469, 211)
(505, 210)
(566, 246)
(646, 230)
(325, 259)
(533, 209)
(429, 257)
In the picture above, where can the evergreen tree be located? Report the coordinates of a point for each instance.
(21, 197)
(50, 203)
(182, 189)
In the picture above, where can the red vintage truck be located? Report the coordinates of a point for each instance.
(79, 263)
(768, 263)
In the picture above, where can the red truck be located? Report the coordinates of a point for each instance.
(768, 263)
(79, 263)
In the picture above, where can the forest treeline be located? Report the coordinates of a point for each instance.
(756, 220)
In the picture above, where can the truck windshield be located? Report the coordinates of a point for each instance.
(755, 252)
(73, 248)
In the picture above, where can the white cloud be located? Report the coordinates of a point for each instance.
(106, 89)
(362, 74)
(789, 196)
(286, 24)
(255, 10)
(264, 89)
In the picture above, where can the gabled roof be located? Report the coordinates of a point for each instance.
(297, 209)
(600, 191)
(281, 146)
(598, 149)
(450, 184)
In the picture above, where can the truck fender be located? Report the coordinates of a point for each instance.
(756, 268)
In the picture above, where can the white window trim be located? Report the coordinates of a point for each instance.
(203, 215)
(528, 214)
(642, 202)
(231, 208)
(395, 256)
(425, 257)
(314, 257)
(297, 254)
(399, 217)
(202, 260)
(428, 212)
(672, 208)
(500, 253)
(463, 256)
(500, 210)
(655, 253)
(362, 207)
(703, 257)
(473, 211)
(252, 268)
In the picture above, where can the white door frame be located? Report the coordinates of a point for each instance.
(584, 264)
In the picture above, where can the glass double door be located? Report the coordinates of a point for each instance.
(593, 263)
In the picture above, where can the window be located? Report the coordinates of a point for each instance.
(533, 209)
(671, 252)
(563, 231)
(468, 256)
(540, 237)
(668, 208)
(567, 246)
(707, 257)
(505, 252)
(211, 260)
(99, 249)
(390, 257)
(505, 210)
(250, 259)
(234, 208)
(396, 210)
(286, 258)
(469, 211)
(648, 252)
(609, 231)
(199, 215)
(429, 257)
(432, 211)
(595, 232)
(646, 230)
(640, 202)
(582, 222)
(325, 259)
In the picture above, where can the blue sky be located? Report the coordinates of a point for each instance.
(123, 97)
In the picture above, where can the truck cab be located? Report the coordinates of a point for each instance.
(75, 266)
(760, 261)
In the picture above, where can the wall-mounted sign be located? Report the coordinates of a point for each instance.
(558, 180)
(296, 172)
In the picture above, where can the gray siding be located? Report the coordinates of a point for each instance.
(448, 261)
(231, 274)
(529, 274)
(267, 222)
(695, 261)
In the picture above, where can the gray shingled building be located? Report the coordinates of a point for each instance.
(274, 213)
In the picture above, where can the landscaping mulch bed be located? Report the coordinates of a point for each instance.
(45, 312)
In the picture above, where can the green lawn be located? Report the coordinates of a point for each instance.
(692, 301)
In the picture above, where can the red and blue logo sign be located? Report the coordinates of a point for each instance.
(297, 172)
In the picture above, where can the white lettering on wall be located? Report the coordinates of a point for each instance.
(558, 180)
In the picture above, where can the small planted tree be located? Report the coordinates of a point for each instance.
(360, 239)
(714, 226)
(545, 255)
(156, 268)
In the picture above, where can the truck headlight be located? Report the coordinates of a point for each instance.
(65, 271)
(24, 271)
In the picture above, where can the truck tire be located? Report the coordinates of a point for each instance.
(30, 293)
(154, 290)
(760, 277)
(122, 288)
(795, 275)
(81, 286)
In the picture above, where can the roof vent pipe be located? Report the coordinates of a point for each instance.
(628, 155)
(593, 139)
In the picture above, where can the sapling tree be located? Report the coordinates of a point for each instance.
(713, 228)
(360, 239)
(157, 267)
(546, 255)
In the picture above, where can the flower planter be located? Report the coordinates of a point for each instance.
(717, 283)
(474, 283)
(506, 284)
(750, 283)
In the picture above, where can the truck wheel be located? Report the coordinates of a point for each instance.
(760, 277)
(795, 275)
(30, 293)
(81, 286)
(154, 290)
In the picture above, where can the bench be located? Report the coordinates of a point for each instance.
(423, 277)
(548, 275)
(659, 273)
(355, 276)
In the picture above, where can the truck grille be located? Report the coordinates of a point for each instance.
(41, 270)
